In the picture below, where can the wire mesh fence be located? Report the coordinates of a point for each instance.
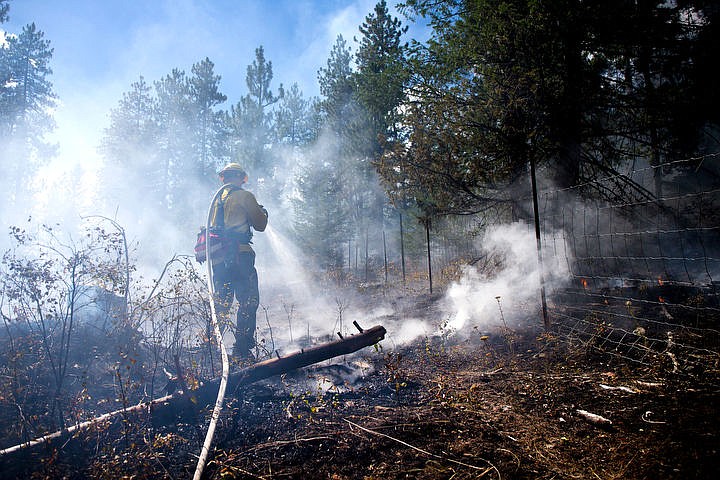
(640, 250)
(643, 257)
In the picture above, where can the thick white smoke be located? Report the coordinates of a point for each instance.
(508, 290)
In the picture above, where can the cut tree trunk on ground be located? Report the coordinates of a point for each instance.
(181, 404)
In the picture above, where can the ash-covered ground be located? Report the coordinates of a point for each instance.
(505, 404)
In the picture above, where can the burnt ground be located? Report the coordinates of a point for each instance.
(495, 406)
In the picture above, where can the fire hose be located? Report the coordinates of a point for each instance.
(223, 352)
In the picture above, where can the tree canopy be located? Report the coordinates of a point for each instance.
(446, 126)
(580, 87)
(27, 99)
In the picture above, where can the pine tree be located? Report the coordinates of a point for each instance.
(205, 96)
(337, 87)
(294, 119)
(321, 213)
(250, 120)
(578, 87)
(26, 101)
(176, 140)
(381, 74)
(129, 146)
(27, 94)
(380, 79)
(342, 132)
(170, 140)
(4, 8)
(295, 129)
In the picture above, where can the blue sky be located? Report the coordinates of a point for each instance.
(112, 41)
(102, 46)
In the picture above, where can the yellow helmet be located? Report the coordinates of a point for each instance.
(234, 169)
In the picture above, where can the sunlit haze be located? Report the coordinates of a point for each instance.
(101, 48)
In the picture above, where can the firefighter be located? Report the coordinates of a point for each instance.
(237, 213)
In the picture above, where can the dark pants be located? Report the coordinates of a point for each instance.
(238, 278)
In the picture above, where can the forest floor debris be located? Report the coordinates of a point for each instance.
(437, 409)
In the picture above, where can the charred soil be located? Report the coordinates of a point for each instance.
(495, 406)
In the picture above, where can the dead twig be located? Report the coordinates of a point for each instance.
(646, 418)
(621, 388)
(282, 443)
(517, 459)
(288, 409)
(594, 418)
(425, 452)
(234, 469)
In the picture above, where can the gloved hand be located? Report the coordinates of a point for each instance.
(264, 210)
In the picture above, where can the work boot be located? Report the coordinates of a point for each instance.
(233, 360)
(243, 347)
(241, 358)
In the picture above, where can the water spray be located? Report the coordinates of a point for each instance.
(223, 351)
(292, 275)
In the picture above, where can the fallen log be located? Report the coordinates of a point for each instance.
(165, 410)
(170, 409)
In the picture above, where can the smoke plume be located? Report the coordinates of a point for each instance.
(505, 285)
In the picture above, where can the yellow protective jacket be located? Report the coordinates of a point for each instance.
(241, 212)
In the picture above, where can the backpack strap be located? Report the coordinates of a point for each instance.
(218, 217)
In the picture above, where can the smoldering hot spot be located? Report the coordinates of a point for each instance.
(504, 285)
